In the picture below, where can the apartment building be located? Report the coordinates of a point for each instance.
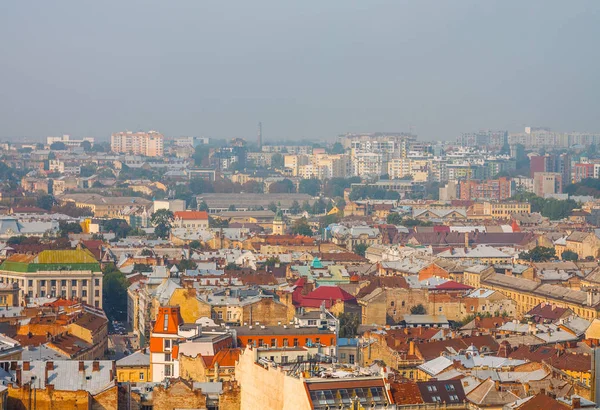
(73, 274)
(545, 183)
(492, 189)
(149, 143)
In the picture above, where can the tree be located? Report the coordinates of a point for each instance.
(394, 218)
(203, 206)
(46, 202)
(114, 293)
(337, 148)
(86, 145)
(72, 210)
(253, 187)
(195, 244)
(119, 227)
(418, 310)
(272, 206)
(282, 187)
(162, 221)
(141, 267)
(186, 264)
(218, 222)
(272, 261)
(538, 254)
(200, 186)
(231, 207)
(569, 256)
(277, 161)
(65, 228)
(311, 186)
(318, 207)
(295, 208)
(146, 252)
(58, 146)
(360, 249)
(301, 227)
(348, 324)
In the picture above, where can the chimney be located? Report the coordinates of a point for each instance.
(95, 366)
(18, 377)
(26, 366)
(50, 365)
(466, 240)
(50, 388)
(81, 366)
(575, 402)
(411, 348)
(526, 388)
(590, 300)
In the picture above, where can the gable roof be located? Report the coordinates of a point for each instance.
(191, 215)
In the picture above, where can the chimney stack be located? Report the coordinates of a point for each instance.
(95, 366)
(26, 366)
(575, 403)
(81, 366)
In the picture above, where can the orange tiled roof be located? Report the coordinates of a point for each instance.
(191, 215)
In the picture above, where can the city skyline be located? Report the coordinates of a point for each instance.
(304, 71)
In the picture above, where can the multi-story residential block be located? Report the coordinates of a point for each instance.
(545, 183)
(149, 143)
(583, 171)
(191, 219)
(491, 189)
(73, 274)
(66, 139)
(417, 168)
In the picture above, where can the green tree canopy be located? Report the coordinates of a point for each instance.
(301, 227)
(569, 256)
(418, 310)
(538, 254)
(360, 249)
(163, 222)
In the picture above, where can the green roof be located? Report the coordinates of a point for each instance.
(53, 260)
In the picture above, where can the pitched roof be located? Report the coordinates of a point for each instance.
(541, 401)
(191, 215)
(452, 285)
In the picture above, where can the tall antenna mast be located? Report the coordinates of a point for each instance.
(259, 139)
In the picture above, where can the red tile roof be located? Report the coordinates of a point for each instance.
(191, 215)
(452, 285)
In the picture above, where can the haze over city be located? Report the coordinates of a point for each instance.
(305, 69)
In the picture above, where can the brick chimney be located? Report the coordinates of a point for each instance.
(81, 366)
(575, 402)
(95, 366)
(50, 388)
(18, 377)
(26, 366)
(50, 365)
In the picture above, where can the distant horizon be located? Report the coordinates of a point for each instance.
(306, 70)
(268, 141)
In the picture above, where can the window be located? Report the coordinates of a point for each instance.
(84, 282)
(285, 342)
(437, 399)
(431, 388)
(392, 304)
(97, 282)
(228, 315)
(168, 370)
(273, 343)
(53, 282)
(295, 342)
(318, 340)
(84, 293)
(351, 359)
(141, 375)
(220, 315)
(440, 309)
(97, 293)
(453, 397)
(63, 282)
(342, 355)
(260, 343)
(167, 357)
(249, 342)
(42, 282)
(450, 387)
(30, 283)
(74, 282)
(73, 294)
(312, 322)
(472, 308)
(167, 344)
(166, 322)
(97, 304)
(42, 293)
(284, 359)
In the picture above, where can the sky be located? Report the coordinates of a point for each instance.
(306, 69)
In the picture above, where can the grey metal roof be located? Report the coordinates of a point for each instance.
(136, 359)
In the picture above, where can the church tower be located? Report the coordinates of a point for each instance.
(279, 223)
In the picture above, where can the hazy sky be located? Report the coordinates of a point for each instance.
(303, 68)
